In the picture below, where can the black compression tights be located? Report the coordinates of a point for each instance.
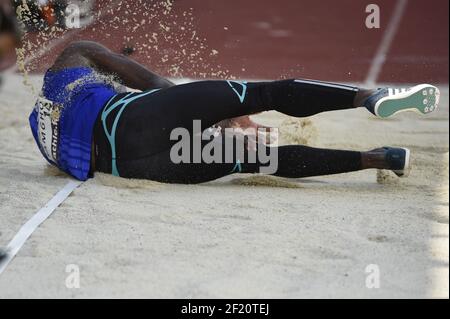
(132, 135)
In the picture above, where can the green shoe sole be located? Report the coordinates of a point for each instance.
(422, 98)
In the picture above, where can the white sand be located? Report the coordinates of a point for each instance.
(279, 239)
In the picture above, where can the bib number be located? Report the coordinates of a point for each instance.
(48, 127)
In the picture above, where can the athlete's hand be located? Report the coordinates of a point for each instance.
(251, 129)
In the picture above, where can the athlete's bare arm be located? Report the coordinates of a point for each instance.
(128, 72)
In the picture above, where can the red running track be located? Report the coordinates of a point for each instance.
(266, 39)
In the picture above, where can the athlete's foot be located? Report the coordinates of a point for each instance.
(386, 102)
(389, 158)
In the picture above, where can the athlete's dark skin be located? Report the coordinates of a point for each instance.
(136, 76)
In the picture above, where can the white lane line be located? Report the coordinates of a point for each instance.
(31, 225)
(386, 42)
(64, 38)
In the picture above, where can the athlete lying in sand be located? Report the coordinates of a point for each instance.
(84, 125)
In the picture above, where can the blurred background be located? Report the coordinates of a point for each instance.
(255, 39)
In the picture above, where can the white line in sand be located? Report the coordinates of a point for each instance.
(386, 42)
(34, 222)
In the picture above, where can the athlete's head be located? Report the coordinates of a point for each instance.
(9, 31)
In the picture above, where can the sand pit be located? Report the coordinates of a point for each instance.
(241, 236)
